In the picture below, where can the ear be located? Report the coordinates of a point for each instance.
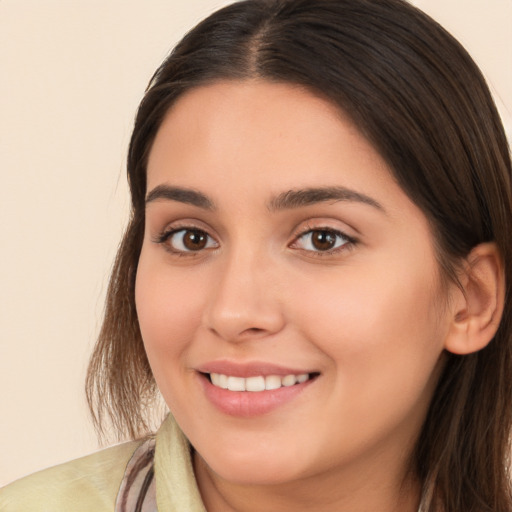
(477, 308)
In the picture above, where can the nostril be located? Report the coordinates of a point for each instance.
(239, 320)
(252, 331)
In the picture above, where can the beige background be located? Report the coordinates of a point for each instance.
(72, 73)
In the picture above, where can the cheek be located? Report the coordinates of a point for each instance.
(383, 340)
(376, 325)
(169, 311)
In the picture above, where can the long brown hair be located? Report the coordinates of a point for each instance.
(418, 97)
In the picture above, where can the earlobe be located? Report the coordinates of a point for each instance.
(477, 307)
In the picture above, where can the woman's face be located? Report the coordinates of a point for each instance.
(280, 255)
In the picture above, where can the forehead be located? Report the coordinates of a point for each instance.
(262, 138)
(224, 116)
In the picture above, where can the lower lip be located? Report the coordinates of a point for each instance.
(247, 404)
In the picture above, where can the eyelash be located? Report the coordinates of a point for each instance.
(165, 236)
(348, 241)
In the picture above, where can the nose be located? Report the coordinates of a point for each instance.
(244, 303)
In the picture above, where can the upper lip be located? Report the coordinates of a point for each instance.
(249, 369)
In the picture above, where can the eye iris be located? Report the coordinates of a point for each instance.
(195, 240)
(323, 240)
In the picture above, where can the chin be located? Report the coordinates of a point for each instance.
(258, 476)
(253, 469)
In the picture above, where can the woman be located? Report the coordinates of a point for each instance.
(313, 276)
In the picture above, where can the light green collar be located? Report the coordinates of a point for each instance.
(176, 486)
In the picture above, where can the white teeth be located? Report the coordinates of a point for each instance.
(272, 382)
(258, 383)
(215, 379)
(255, 384)
(223, 381)
(236, 384)
(289, 380)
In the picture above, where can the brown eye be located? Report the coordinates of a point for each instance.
(190, 240)
(321, 240)
(195, 240)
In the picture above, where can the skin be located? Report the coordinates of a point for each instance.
(369, 316)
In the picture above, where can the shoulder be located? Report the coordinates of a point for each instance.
(82, 485)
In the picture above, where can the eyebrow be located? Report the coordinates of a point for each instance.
(181, 195)
(309, 196)
(285, 201)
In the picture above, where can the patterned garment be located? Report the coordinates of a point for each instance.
(138, 488)
(122, 478)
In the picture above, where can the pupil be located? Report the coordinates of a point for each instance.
(323, 240)
(194, 240)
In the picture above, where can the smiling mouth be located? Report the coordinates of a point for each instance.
(257, 383)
